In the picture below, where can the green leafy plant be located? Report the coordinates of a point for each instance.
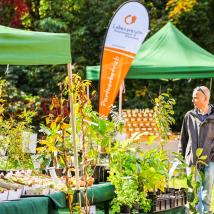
(195, 180)
(92, 131)
(153, 172)
(11, 135)
(125, 175)
(127, 193)
(163, 114)
(194, 177)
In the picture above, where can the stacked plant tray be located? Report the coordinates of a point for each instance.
(165, 201)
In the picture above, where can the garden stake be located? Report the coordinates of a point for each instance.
(73, 123)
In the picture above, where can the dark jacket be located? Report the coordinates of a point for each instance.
(196, 134)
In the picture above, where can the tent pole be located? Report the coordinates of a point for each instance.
(73, 123)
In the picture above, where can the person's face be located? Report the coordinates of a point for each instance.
(198, 99)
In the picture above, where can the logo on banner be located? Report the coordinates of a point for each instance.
(130, 19)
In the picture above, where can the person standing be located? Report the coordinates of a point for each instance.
(198, 132)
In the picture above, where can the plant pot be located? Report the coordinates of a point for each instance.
(96, 174)
(14, 194)
(100, 174)
(4, 195)
(59, 172)
(153, 197)
(136, 208)
(172, 201)
(157, 206)
(125, 209)
(167, 203)
(162, 204)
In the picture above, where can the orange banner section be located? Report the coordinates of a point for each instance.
(126, 32)
(116, 64)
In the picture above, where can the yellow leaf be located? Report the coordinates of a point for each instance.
(64, 126)
(47, 120)
(51, 107)
(53, 125)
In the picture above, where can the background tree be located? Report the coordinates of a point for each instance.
(87, 22)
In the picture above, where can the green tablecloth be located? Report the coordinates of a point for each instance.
(35, 205)
(52, 203)
(98, 193)
(102, 193)
(177, 210)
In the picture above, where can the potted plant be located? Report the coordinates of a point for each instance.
(124, 175)
(126, 194)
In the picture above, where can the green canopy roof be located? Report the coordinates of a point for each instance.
(167, 54)
(20, 47)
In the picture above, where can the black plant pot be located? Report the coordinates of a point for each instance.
(59, 172)
(167, 203)
(100, 174)
(172, 201)
(136, 208)
(167, 200)
(125, 209)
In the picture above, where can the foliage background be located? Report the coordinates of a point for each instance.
(87, 22)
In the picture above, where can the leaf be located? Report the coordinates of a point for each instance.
(202, 162)
(64, 126)
(151, 140)
(53, 125)
(156, 100)
(199, 152)
(165, 94)
(47, 119)
(203, 157)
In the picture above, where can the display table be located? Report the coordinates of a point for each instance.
(98, 193)
(35, 205)
(101, 196)
(177, 210)
(50, 204)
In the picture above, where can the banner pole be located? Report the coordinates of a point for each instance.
(73, 124)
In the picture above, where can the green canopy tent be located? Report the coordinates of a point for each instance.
(20, 47)
(167, 54)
